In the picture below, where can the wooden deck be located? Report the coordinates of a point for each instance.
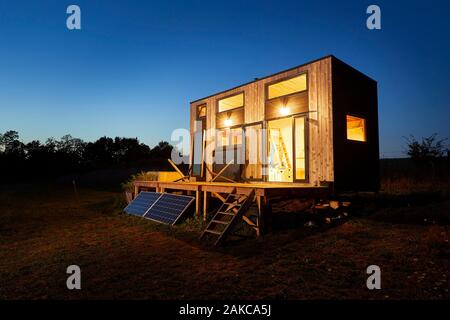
(263, 191)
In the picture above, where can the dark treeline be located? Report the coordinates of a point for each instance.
(69, 155)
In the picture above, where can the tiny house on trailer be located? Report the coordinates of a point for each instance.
(314, 124)
(301, 133)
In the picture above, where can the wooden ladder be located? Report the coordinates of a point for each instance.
(229, 213)
(281, 150)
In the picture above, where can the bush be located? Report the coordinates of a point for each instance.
(141, 176)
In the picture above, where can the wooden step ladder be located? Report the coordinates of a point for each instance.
(229, 213)
(281, 149)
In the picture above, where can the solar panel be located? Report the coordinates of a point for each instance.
(169, 208)
(140, 205)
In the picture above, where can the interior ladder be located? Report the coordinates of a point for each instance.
(228, 215)
(281, 150)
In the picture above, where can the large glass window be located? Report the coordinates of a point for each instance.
(229, 137)
(254, 146)
(300, 159)
(232, 102)
(229, 149)
(286, 87)
(280, 150)
(222, 138)
(356, 128)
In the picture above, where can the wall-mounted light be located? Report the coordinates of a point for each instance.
(284, 110)
(228, 122)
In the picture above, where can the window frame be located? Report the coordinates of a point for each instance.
(239, 126)
(306, 145)
(266, 90)
(364, 118)
(263, 147)
(205, 105)
(229, 96)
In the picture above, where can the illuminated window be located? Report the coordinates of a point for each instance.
(356, 128)
(232, 102)
(201, 111)
(300, 153)
(229, 137)
(236, 136)
(222, 138)
(286, 87)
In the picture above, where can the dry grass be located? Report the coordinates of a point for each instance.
(44, 229)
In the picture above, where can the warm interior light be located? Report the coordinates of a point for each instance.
(292, 85)
(232, 102)
(284, 111)
(228, 122)
(356, 128)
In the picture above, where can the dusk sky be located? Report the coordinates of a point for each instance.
(134, 66)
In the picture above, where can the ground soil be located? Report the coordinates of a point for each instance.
(45, 228)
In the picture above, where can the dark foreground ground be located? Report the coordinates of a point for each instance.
(45, 228)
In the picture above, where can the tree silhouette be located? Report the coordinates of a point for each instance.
(73, 155)
(428, 149)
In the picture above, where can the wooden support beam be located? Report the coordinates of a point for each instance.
(260, 201)
(136, 190)
(250, 223)
(222, 171)
(203, 153)
(228, 179)
(183, 177)
(210, 171)
(213, 174)
(217, 195)
(198, 204)
(205, 204)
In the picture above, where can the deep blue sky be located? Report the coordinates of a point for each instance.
(135, 65)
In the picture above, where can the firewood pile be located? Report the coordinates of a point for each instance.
(330, 211)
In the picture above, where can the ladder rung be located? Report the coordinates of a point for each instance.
(232, 203)
(213, 232)
(227, 213)
(220, 221)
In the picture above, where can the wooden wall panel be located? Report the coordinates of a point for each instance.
(356, 163)
(236, 116)
(320, 115)
(298, 103)
(320, 122)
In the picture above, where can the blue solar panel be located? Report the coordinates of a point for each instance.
(169, 208)
(140, 205)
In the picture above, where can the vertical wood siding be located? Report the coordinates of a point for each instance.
(320, 151)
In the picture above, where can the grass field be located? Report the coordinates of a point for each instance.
(46, 227)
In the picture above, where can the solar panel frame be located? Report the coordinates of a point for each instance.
(148, 203)
(177, 215)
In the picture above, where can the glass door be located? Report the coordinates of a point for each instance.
(254, 152)
(300, 148)
(280, 152)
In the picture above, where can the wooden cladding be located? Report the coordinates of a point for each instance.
(285, 106)
(257, 107)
